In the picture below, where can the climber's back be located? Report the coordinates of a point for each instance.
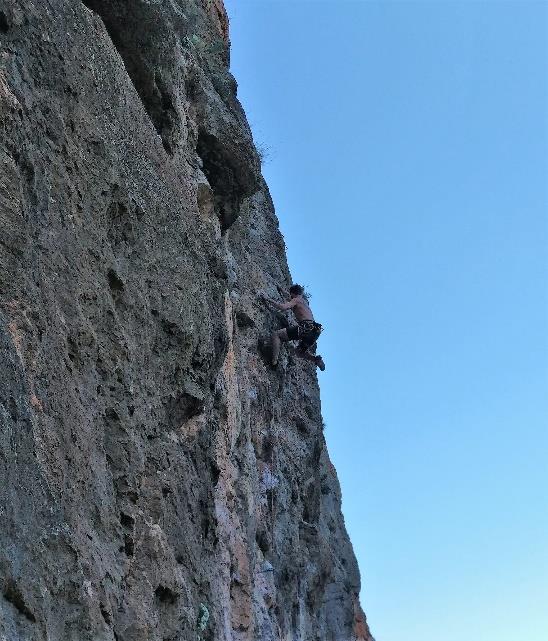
(301, 308)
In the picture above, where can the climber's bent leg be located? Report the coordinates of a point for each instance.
(307, 356)
(307, 353)
(277, 338)
(312, 358)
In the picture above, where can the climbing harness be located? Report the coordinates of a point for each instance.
(307, 333)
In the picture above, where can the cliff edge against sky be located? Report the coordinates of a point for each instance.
(159, 481)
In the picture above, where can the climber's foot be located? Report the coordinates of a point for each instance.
(320, 363)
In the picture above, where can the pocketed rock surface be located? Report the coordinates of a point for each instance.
(158, 480)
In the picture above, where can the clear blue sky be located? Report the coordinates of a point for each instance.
(409, 167)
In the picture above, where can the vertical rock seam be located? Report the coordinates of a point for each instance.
(159, 481)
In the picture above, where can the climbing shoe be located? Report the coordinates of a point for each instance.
(320, 363)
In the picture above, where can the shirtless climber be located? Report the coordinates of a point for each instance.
(306, 331)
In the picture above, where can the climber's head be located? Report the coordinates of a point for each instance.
(296, 290)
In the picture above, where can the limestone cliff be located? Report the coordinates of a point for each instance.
(158, 480)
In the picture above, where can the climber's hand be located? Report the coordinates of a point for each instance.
(283, 292)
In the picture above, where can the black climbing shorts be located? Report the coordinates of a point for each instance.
(307, 333)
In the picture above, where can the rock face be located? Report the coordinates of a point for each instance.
(158, 480)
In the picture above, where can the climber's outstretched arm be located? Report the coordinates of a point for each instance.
(283, 292)
(281, 306)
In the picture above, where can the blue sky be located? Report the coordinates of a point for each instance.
(407, 152)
